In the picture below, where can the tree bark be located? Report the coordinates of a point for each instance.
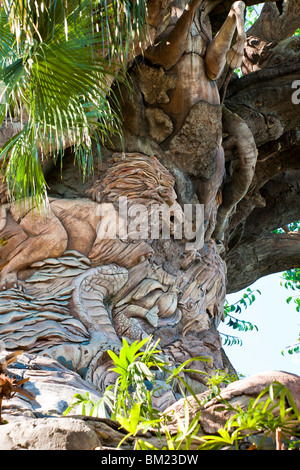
(183, 145)
(261, 256)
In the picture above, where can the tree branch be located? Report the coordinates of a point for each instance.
(274, 25)
(264, 100)
(220, 9)
(262, 76)
(277, 204)
(261, 256)
(282, 205)
(273, 29)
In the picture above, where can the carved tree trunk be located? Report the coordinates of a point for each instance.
(193, 137)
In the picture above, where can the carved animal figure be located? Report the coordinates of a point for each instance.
(177, 89)
(74, 224)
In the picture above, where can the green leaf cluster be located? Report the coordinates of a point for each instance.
(291, 227)
(137, 416)
(261, 416)
(248, 297)
(291, 280)
(135, 382)
(58, 60)
(252, 13)
(129, 400)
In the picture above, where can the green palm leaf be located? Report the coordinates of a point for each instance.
(66, 55)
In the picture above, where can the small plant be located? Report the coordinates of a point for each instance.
(136, 380)
(259, 417)
(129, 402)
(135, 384)
(220, 377)
(185, 435)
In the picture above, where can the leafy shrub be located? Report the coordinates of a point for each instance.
(129, 402)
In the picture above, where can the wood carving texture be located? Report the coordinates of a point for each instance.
(75, 298)
(70, 293)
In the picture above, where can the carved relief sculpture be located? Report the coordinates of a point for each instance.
(77, 279)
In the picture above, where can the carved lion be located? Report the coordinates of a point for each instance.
(28, 236)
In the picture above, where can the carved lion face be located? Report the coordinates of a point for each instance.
(138, 177)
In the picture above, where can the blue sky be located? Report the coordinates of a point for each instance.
(278, 327)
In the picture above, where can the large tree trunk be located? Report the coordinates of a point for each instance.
(192, 137)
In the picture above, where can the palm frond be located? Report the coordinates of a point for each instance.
(66, 55)
(115, 24)
(8, 39)
(23, 169)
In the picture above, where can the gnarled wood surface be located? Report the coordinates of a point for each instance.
(69, 293)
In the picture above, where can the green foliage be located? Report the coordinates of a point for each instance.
(176, 376)
(57, 60)
(292, 227)
(129, 400)
(259, 417)
(252, 13)
(291, 280)
(220, 377)
(214, 383)
(135, 367)
(134, 410)
(134, 384)
(246, 301)
(85, 405)
(185, 435)
(293, 348)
